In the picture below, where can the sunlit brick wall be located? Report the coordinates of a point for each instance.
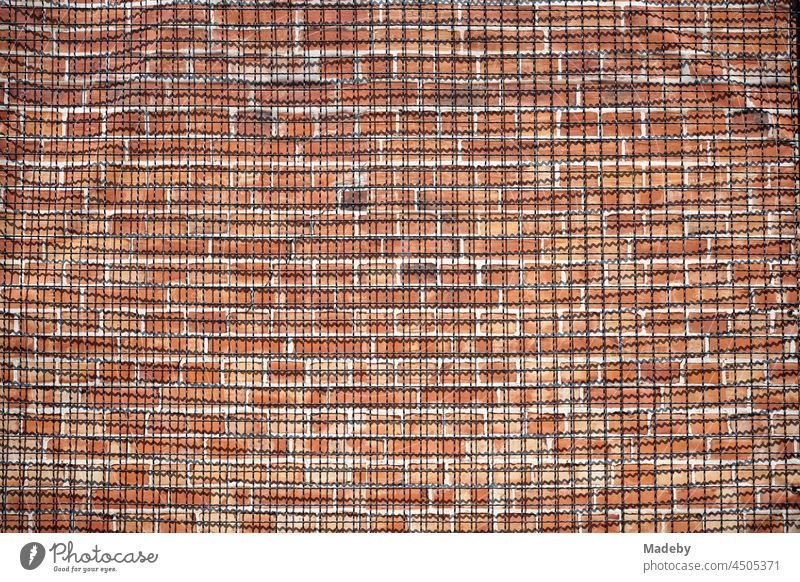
(399, 266)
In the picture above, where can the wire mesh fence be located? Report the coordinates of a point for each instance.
(399, 266)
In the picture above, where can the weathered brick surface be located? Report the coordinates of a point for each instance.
(385, 267)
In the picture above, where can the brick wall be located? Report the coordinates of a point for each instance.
(436, 266)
